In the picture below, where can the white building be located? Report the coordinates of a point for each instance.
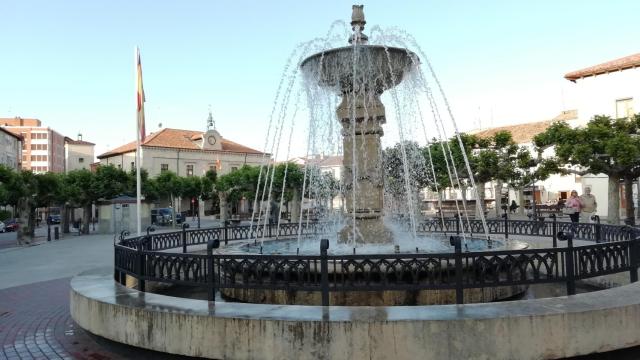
(327, 164)
(78, 154)
(10, 149)
(186, 153)
(611, 88)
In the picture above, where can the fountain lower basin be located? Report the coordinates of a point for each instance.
(346, 271)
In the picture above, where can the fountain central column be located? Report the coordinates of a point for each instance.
(362, 115)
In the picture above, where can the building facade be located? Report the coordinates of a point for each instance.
(43, 149)
(610, 88)
(185, 153)
(327, 164)
(10, 149)
(78, 154)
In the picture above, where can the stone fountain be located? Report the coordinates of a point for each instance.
(360, 73)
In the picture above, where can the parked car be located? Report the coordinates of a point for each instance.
(53, 219)
(162, 216)
(11, 225)
(2, 227)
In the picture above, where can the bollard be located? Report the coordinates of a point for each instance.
(48, 232)
(456, 242)
(56, 233)
(211, 290)
(324, 271)
(569, 263)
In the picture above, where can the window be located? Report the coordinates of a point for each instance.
(38, 157)
(80, 160)
(234, 168)
(38, 146)
(190, 170)
(624, 108)
(133, 165)
(164, 167)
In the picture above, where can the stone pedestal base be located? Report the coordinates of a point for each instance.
(368, 231)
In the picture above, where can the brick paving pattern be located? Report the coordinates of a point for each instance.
(35, 323)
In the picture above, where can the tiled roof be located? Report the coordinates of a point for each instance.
(77, 142)
(18, 121)
(623, 63)
(320, 160)
(16, 135)
(177, 139)
(524, 133)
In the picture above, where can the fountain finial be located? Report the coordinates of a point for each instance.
(357, 25)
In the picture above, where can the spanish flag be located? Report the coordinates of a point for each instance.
(141, 100)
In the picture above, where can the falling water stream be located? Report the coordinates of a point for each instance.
(408, 92)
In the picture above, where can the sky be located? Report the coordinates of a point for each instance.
(71, 63)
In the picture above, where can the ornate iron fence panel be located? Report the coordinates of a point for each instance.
(164, 241)
(618, 233)
(267, 272)
(601, 259)
(125, 259)
(505, 268)
(202, 236)
(391, 272)
(288, 229)
(245, 232)
(186, 269)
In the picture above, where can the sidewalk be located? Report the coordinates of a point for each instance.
(53, 260)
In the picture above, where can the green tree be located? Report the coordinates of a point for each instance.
(603, 146)
(170, 185)
(530, 168)
(80, 189)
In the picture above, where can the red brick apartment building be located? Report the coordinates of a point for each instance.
(42, 148)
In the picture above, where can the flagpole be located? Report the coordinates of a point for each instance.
(138, 148)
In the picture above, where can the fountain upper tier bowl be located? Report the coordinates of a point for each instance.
(374, 67)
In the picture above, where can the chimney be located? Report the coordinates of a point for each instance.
(79, 136)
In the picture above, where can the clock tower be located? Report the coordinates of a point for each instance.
(211, 139)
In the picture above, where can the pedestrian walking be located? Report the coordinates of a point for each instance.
(573, 206)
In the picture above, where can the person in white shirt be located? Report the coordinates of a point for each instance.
(589, 205)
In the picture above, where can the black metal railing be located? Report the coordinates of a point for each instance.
(615, 250)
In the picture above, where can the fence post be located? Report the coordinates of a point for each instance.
(141, 263)
(554, 230)
(226, 233)
(457, 244)
(506, 225)
(184, 237)
(633, 260)
(211, 288)
(457, 217)
(598, 228)
(324, 271)
(569, 263)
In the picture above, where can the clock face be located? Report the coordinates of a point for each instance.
(211, 140)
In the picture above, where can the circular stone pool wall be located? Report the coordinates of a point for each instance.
(549, 328)
(372, 298)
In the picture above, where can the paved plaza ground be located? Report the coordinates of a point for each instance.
(35, 322)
